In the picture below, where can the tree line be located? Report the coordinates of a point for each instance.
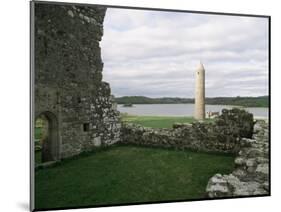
(260, 101)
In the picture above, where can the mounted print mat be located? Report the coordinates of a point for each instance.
(140, 105)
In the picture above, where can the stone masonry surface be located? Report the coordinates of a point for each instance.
(68, 78)
(251, 175)
(223, 135)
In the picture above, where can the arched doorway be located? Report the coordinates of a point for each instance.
(46, 137)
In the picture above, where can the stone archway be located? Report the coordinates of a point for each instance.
(49, 137)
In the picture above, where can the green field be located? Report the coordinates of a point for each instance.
(158, 121)
(38, 132)
(246, 101)
(127, 174)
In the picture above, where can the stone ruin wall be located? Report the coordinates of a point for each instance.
(68, 77)
(222, 136)
(233, 132)
(251, 174)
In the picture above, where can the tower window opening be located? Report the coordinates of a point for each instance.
(86, 127)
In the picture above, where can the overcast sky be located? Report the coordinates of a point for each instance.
(155, 53)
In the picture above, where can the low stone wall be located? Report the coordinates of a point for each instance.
(251, 174)
(232, 132)
(223, 135)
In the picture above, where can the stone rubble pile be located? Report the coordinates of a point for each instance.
(251, 174)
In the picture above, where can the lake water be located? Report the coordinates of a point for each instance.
(182, 110)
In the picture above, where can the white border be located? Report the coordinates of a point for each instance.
(14, 151)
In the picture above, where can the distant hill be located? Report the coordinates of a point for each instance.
(261, 101)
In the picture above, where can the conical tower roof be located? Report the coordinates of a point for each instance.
(200, 67)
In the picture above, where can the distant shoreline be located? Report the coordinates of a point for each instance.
(193, 103)
(261, 101)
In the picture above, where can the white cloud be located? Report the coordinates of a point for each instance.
(155, 53)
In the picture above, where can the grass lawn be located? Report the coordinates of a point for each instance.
(128, 174)
(159, 121)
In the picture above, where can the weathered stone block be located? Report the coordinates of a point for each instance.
(97, 141)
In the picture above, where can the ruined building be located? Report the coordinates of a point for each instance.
(69, 91)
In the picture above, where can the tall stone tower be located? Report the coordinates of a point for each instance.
(200, 92)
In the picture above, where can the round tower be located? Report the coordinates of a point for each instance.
(200, 93)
